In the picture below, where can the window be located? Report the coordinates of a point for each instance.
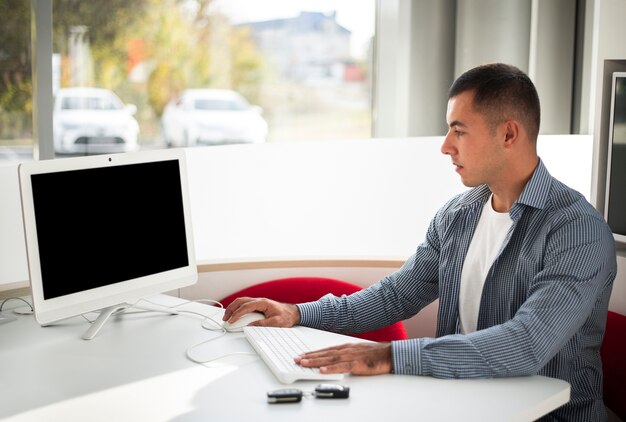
(16, 137)
(304, 68)
(277, 70)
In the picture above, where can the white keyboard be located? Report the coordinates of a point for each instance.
(278, 347)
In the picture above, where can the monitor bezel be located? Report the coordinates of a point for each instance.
(619, 237)
(55, 309)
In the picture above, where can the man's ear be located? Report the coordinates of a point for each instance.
(511, 132)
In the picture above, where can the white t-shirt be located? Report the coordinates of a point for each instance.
(490, 233)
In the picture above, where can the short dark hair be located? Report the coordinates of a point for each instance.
(501, 92)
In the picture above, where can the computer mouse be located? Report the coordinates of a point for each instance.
(245, 319)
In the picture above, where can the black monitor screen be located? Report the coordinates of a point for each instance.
(101, 226)
(616, 212)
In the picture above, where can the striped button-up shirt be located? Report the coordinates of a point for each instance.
(543, 306)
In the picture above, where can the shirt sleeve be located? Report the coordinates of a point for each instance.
(394, 298)
(310, 314)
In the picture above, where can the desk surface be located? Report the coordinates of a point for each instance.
(136, 369)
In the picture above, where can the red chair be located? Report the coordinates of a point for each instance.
(308, 289)
(613, 352)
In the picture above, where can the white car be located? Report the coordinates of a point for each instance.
(93, 120)
(211, 117)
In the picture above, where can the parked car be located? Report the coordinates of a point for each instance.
(210, 117)
(93, 120)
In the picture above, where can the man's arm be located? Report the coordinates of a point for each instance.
(396, 297)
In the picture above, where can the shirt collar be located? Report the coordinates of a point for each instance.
(534, 194)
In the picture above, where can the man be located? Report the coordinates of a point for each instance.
(522, 265)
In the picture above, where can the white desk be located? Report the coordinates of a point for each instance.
(136, 370)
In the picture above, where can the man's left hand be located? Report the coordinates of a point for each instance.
(354, 358)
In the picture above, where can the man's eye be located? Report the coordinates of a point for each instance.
(458, 133)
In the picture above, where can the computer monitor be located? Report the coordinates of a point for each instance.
(615, 194)
(104, 231)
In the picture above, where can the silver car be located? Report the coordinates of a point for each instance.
(93, 120)
(211, 117)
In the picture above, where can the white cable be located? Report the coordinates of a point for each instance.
(191, 358)
(26, 302)
(195, 360)
(220, 328)
(217, 324)
(211, 301)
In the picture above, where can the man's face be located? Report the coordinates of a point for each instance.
(471, 144)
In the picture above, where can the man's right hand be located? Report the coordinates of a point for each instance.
(277, 314)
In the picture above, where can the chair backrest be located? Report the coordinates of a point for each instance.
(308, 289)
(613, 352)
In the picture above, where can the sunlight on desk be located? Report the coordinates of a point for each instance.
(136, 401)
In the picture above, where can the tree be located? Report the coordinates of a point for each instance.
(108, 26)
(174, 39)
(199, 49)
(15, 57)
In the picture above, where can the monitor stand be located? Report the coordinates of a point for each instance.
(106, 313)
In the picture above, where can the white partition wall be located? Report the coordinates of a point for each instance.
(371, 198)
(326, 199)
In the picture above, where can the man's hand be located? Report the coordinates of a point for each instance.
(356, 359)
(277, 314)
